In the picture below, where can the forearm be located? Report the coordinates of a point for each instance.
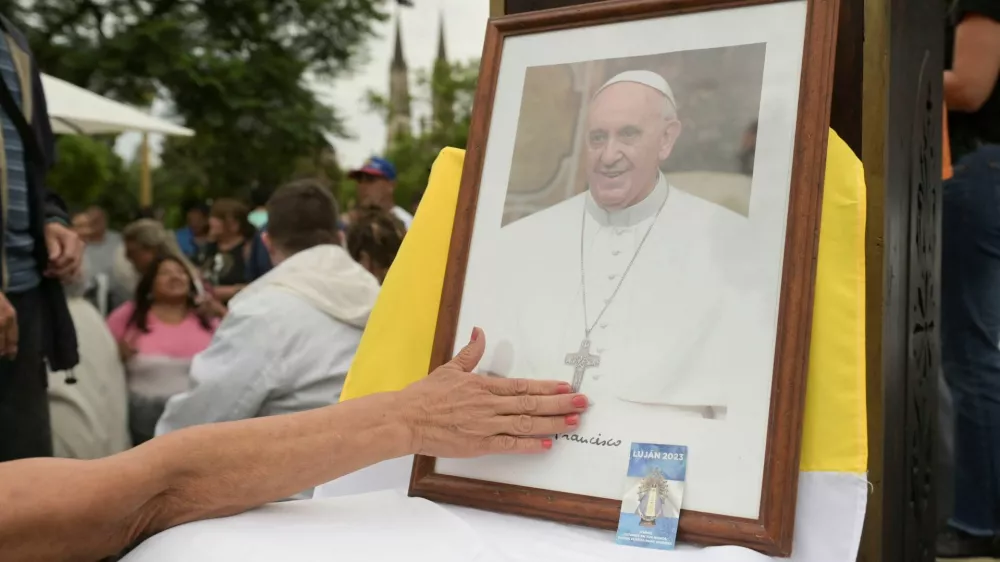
(974, 65)
(223, 469)
(68, 510)
(957, 94)
(84, 510)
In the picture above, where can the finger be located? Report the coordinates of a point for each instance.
(510, 445)
(469, 357)
(526, 426)
(54, 245)
(517, 387)
(541, 405)
(63, 271)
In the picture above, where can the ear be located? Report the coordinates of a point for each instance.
(671, 132)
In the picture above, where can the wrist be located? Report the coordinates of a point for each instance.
(57, 220)
(405, 425)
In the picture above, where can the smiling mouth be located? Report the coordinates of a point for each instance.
(612, 174)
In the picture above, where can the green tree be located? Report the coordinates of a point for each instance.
(89, 172)
(86, 166)
(449, 90)
(233, 70)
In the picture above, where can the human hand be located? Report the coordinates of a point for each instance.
(65, 251)
(454, 413)
(8, 328)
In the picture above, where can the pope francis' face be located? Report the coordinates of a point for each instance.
(627, 138)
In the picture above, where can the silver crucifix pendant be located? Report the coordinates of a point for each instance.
(581, 361)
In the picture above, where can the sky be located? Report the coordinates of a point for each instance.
(465, 29)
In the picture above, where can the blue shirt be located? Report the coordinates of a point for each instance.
(21, 268)
(186, 241)
(260, 260)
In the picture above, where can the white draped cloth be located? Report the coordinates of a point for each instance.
(367, 516)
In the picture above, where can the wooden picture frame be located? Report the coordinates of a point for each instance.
(771, 532)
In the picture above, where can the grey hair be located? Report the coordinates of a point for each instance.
(669, 110)
(151, 235)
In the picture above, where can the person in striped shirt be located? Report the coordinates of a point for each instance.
(37, 251)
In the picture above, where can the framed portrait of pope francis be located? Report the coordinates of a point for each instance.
(639, 216)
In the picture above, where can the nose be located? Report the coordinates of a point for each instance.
(610, 154)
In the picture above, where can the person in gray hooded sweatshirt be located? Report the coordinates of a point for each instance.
(289, 338)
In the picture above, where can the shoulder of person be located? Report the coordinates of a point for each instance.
(702, 215)
(556, 216)
(268, 305)
(280, 320)
(124, 310)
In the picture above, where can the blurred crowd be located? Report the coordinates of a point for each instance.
(251, 308)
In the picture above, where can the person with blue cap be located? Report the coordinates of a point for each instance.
(376, 185)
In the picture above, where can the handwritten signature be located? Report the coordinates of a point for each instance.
(598, 441)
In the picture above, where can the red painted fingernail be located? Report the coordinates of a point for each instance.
(572, 419)
(546, 443)
(475, 334)
(563, 389)
(580, 401)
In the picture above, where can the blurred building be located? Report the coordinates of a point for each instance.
(400, 119)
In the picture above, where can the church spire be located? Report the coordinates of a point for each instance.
(442, 92)
(397, 59)
(399, 91)
(442, 55)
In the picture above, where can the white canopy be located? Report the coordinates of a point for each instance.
(74, 110)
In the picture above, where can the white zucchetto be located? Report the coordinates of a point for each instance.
(644, 77)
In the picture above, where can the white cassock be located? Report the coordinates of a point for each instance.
(660, 336)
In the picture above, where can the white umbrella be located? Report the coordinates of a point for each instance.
(74, 110)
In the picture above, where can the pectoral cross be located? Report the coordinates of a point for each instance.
(581, 361)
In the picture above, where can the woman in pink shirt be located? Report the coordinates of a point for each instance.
(158, 334)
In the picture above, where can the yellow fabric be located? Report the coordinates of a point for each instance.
(835, 435)
(396, 348)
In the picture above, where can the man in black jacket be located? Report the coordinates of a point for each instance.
(37, 251)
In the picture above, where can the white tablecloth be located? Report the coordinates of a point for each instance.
(367, 516)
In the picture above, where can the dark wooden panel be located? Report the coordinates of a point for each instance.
(911, 320)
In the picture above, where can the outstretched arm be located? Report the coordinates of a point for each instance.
(65, 510)
(55, 509)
